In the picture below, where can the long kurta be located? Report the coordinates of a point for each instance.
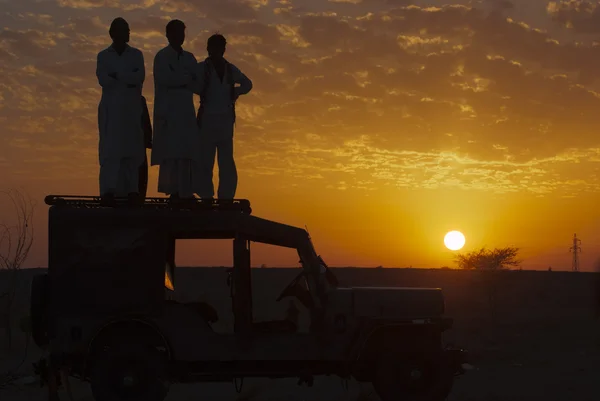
(121, 138)
(217, 124)
(176, 141)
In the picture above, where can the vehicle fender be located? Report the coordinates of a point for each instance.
(407, 336)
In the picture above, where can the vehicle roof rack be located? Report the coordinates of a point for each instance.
(94, 202)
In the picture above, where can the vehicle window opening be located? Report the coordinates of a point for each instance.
(201, 274)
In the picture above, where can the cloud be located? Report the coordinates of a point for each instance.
(125, 5)
(84, 26)
(223, 10)
(581, 16)
(27, 43)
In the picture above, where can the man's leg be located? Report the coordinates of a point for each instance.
(185, 178)
(143, 178)
(128, 184)
(208, 150)
(227, 170)
(167, 177)
(109, 181)
(109, 176)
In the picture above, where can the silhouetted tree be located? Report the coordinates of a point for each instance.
(15, 243)
(491, 261)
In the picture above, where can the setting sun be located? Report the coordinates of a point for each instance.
(454, 240)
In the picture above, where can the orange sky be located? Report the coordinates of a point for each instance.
(381, 126)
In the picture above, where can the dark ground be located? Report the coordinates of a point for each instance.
(543, 345)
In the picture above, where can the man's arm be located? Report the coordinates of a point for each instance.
(240, 78)
(104, 76)
(137, 75)
(146, 124)
(197, 86)
(193, 72)
(165, 74)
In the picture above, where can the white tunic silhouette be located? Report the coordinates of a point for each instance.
(176, 145)
(121, 143)
(217, 119)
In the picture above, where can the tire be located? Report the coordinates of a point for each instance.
(38, 310)
(396, 379)
(129, 373)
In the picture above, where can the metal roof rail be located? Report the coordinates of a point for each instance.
(93, 202)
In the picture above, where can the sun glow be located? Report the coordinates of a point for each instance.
(454, 240)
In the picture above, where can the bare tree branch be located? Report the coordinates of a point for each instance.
(485, 259)
(15, 244)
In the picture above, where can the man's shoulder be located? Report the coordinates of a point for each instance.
(104, 52)
(189, 55)
(204, 66)
(163, 50)
(232, 66)
(109, 50)
(135, 50)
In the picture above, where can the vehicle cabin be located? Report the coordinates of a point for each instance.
(120, 260)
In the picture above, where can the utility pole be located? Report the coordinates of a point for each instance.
(576, 250)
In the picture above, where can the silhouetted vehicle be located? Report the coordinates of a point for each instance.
(103, 304)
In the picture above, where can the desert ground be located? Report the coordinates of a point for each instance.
(544, 343)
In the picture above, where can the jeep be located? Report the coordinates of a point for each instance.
(103, 311)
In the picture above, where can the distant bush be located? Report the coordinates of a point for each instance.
(489, 259)
(492, 261)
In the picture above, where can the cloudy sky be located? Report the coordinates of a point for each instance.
(379, 124)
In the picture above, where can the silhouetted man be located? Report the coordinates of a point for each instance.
(121, 73)
(176, 135)
(217, 79)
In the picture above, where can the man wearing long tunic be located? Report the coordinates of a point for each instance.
(121, 73)
(176, 135)
(216, 85)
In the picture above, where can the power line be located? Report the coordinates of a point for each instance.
(576, 250)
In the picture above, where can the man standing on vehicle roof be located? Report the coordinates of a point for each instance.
(121, 73)
(176, 135)
(216, 85)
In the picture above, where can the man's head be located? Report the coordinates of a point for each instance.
(215, 46)
(119, 31)
(176, 32)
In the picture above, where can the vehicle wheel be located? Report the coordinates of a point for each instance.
(129, 373)
(399, 379)
(38, 310)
